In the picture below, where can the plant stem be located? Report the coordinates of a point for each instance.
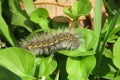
(97, 28)
(76, 23)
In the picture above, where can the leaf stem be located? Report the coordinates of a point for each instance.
(97, 28)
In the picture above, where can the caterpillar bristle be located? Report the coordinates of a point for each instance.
(50, 42)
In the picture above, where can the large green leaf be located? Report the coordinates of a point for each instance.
(7, 75)
(80, 68)
(117, 78)
(5, 30)
(75, 53)
(116, 54)
(19, 61)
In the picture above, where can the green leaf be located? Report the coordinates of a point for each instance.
(89, 38)
(97, 18)
(40, 16)
(46, 66)
(43, 23)
(117, 78)
(81, 7)
(75, 53)
(80, 68)
(105, 26)
(107, 36)
(111, 27)
(66, 11)
(116, 53)
(1, 6)
(7, 75)
(108, 53)
(5, 30)
(19, 61)
(97, 22)
(19, 18)
(38, 13)
(57, 76)
(29, 6)
(106, 69)
(116, 29)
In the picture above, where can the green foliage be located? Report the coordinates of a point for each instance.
(4, 29)
(116, 53)
(97, 57)
(79, 8)
(79, 68)
(18, 17)
(47, 66)
(107, 35)
(117, 78)
(18, 61)
(38, 17)
(6, 74)
(29, 6)
(97, 21)
(7, 34)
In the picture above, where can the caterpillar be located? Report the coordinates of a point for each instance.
(50, 42)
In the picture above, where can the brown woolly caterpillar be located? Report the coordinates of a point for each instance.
(50, 42)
